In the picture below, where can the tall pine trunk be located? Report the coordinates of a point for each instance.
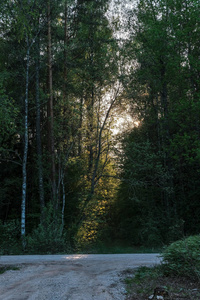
(65, 53)
(50, 108)
(38, 132)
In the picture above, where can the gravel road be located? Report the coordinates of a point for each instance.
(69, 277)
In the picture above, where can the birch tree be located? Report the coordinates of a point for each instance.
(26, 15)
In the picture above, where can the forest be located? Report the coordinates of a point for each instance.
(99, 124)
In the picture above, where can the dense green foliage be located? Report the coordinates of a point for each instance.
(10, 237)
(58, 60)
(159, 196)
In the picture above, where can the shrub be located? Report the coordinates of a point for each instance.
(48, 237)
(182, 258)
(10, 237)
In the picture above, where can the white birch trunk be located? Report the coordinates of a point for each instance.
(24, 164)
(63, 204)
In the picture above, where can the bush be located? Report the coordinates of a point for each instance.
(48, 237)
(10, 237)
(182, 258)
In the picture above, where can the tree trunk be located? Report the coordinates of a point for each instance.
(80, 128)
(38, 133)
(65, 53)
(94, 178)
(168, 195)
(64, 200)
(50, 109)
(24, 164)
(91, 133)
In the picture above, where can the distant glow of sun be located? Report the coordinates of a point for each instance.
(136, 123)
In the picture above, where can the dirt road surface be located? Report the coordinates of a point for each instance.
(69, 277)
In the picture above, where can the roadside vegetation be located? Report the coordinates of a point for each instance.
(178, 275)
(3, 269)
(118, 247)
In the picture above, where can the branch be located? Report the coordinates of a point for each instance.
(100, 145)
(12, 161)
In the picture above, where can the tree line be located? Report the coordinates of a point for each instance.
(66, 182)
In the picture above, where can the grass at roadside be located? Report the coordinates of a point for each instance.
(178, 275)
(141, 283)
(3, 268)
(117, 248)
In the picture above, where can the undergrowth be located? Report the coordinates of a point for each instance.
(179, 273)
(3, 269)
(182, 258)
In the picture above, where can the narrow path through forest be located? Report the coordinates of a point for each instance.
(69, 277)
